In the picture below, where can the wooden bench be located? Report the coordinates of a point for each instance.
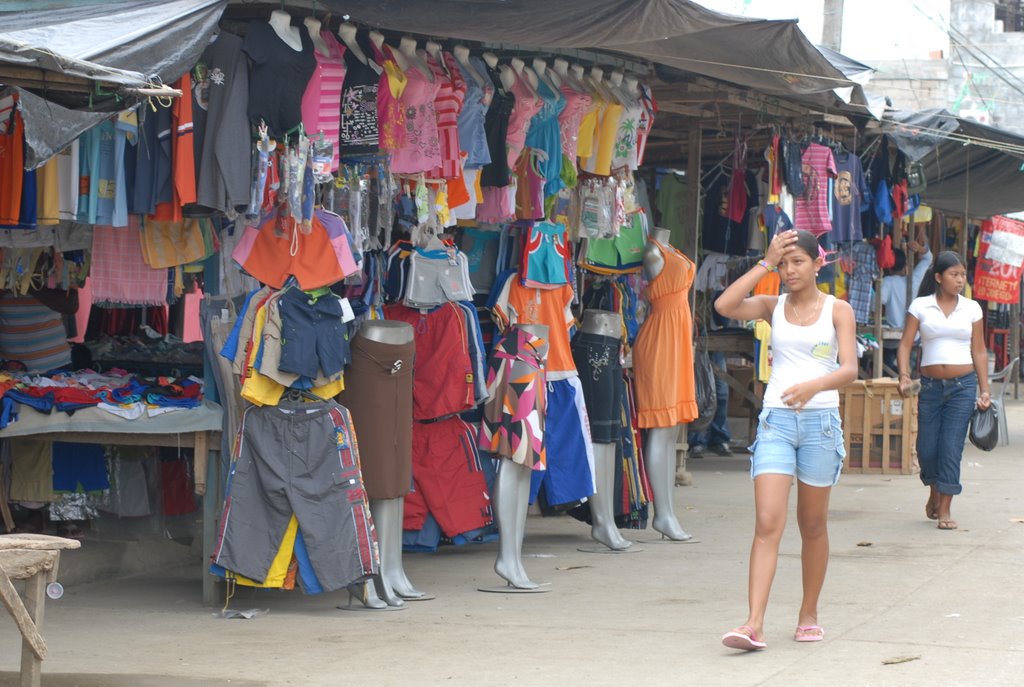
(34, 558)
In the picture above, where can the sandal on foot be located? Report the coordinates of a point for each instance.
(743, 638)
(931, 510)
(809, 633)
(947, 524)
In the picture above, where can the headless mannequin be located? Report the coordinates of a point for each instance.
(407, 47)
(314, 27)
(660, 456)
(434, 50)
(392, 586)
(511, 499)
(561, 68)
(347, 34)
(602, 508)
(597, 84)
(540, 68)
(505, 72)
(281, 22)
(461, 53)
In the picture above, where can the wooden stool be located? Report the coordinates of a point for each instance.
(34, 558)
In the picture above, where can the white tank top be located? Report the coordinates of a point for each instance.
(800, 354)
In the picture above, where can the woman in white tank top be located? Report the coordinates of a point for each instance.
(799, 434)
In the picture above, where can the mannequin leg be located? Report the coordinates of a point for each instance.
(511, 496)
(602, 509)
(387, 519)
(660, 460)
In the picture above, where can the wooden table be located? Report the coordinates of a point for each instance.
(34, 558)
(205, 443)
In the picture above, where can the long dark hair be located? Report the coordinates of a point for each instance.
(943, 262)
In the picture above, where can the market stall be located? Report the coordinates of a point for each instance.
(346, 192)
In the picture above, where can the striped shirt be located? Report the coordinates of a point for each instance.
(321, 103)
(32, 334)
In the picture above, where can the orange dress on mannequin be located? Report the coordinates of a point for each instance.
(663, 352)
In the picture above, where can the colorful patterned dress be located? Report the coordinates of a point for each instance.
(513, 424)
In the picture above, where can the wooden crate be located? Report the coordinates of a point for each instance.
(879, 426)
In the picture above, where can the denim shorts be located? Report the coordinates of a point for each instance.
(808, 445)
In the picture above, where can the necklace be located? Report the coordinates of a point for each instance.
(803, 321)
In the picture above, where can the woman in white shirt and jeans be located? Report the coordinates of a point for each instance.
(954, 363)
(799, 432)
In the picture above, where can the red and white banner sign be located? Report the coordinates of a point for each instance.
(1000, 261)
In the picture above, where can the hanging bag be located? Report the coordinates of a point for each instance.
(916, 182)
(984, 427)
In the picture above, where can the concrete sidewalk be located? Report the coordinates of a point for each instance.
(949, 601)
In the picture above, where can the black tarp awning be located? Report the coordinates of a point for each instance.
(127, 43)
(772, 57)
(968, 166)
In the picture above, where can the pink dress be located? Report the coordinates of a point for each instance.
(448, 105)
(527, 105)
(321, 103)
(576, 105)
(421, 149)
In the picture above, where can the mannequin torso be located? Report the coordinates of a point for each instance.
(602, 323)
(347, 33)
(314, 27)
(407, 47)
(653, 259)
(281, 22)
(387, 331)
(461, 53)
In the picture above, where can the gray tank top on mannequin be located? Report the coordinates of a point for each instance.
(387, 331)
(602, 323)
(653, 260)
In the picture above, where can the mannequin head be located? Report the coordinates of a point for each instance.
(799, 267)
(946, 278)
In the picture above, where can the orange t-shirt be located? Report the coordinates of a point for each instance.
(518, 304)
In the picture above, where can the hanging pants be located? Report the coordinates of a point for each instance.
(298, 458)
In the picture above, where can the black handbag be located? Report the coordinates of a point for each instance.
(704, 384)
(984, 427)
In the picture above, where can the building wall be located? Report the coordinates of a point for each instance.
(973, 88)
(912, 84)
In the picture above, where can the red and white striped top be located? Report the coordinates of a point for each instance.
(448, 105)
(321, 103)
(818, 166)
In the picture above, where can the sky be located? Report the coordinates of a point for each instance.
(872, 29)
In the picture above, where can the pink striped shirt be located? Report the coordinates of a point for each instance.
(812, 207)
(448, 105)
(321, 103)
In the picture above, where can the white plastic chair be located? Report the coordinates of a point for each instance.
(1004, 377)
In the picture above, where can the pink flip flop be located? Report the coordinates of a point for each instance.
(809, 633)
(743, 638)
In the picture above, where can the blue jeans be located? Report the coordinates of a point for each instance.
(808, 445)
(944, 411)
(718, 431)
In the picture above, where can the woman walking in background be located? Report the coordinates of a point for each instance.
(954, 363)
(799, 431)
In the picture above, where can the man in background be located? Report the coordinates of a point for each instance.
(894, 291)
